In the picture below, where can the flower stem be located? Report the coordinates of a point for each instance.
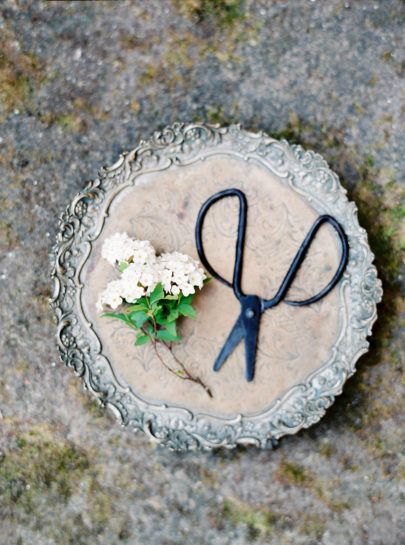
(187, 375)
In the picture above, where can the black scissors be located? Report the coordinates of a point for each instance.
(247, 324)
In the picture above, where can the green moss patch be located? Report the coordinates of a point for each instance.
(295, 473)
(38, 464)
(259, 520)
(77, 118)
(44, 477)
(19, 72)
(223, 12)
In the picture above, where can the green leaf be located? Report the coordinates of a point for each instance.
(123, 266)
(142, 302)
(180, 372)
(156, 294)
(171, 328)
(161, 319)
(168, 305)
(187, 300)
(138, 306)
(138, 317)
(206, 280)
(171, 297)
(112, 315)
(173, 315)
(141, 339)
(121, 316)
(166, 336)
(186, 310)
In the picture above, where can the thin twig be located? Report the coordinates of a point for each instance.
(163, 361)
(187, 375)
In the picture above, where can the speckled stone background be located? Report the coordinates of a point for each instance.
(79, 83)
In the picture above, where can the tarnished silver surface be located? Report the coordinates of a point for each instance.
(305, 173)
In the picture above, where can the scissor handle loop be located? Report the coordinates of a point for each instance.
(237, 271)
(299, 258)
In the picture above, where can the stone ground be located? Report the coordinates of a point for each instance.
(79, 83)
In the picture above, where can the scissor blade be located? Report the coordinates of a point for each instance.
(250, 351)
(234, 338)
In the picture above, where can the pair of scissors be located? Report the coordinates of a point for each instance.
(253, 306)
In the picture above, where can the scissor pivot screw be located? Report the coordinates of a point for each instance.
(250, 313)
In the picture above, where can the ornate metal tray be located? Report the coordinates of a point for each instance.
(305, 354)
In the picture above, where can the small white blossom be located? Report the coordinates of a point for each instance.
(187, 290)
(133, 294)
(132, 274)
(143, 252)
(117, 248)
(111, 296)
(150, 277)
(143, 276)
(197, 277)
(175, 290)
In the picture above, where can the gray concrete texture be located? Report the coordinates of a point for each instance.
(79, 83)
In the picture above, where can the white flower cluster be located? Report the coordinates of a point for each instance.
(120, 248)
(178, 273)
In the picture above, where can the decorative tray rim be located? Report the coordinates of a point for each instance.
(306, 173)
